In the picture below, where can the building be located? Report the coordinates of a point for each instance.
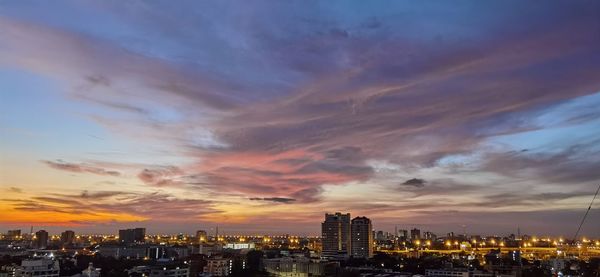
(41, 239)
(429, 236)
(458, 272)
(170, 270)
(361, 238)
(218, 266)
(133, 252)
(402, 234)
(13, 234)
(38, 268)
(201, 236)
(336, 235)
(299, 267)
(132, 235)
(415, 234)
(67, 237)
(91, 271)
(447, 272)
(240, 245)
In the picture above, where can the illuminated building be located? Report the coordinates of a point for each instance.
(41, 239)
(403, 234)
(240, 245)
(429, 236)
(218, 266)
(415, 234)
(170, 270)
(298, 267)
(361, 238)
(336, 235)
(67, 237)
(201, 236)
(38, 268)
(132, 235)
(13, 234)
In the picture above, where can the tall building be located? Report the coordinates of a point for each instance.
(336, 235)
(362, 238)
(201, 236)
(41, 239)
(429, 236)
(415, 234)
(132, 235)
(67, 237)
(403, 234)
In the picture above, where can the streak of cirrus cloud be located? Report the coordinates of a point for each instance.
(434, 114)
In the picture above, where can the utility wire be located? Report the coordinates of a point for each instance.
(585, 216)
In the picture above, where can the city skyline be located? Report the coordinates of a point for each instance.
(262, 117)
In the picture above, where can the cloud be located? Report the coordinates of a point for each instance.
(574, 165)
(100, 194)
(253, 108)
(106, 205)
(15, 190)
(164, 176)
(414, 182)
(274, 199)
(80, 168)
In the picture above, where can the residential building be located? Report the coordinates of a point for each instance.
(361, 238)
(336, 235)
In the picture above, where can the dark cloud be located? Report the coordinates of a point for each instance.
(274, 199)
(414, 182)
(100, 194)
(81, 168)
(164, 176)
(575, 165)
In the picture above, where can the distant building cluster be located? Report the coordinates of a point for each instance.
(347, 247)
(342, 237)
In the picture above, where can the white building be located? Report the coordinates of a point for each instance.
(38, 268)
(240, 245)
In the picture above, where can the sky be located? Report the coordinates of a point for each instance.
(261, 116)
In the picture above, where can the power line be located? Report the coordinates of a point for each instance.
(586, 213)
(585, 216)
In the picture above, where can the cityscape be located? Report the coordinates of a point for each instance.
(347, 247)
(299, 138)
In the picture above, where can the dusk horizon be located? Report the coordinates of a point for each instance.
(477, 117)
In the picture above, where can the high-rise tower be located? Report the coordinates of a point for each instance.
(336, 235)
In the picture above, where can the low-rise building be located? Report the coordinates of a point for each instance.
(218, 266)
(38, 268)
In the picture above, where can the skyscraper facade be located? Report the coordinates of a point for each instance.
(41, 239)
(336, 235)
(415, 234)
(132, 235)
(361, 238)
(67, 237)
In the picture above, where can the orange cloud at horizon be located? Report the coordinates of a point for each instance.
(53, 218)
